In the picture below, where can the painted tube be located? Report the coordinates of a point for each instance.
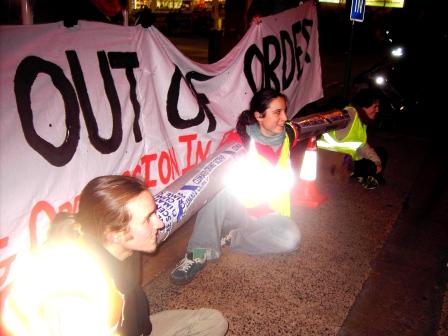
(179, 201)
(316, 124)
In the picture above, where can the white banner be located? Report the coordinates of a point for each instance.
(99, 99)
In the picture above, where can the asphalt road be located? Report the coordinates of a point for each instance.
(404, 292)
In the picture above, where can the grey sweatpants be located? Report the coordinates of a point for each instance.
(269, 234)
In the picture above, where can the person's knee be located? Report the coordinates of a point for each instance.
(201, 322)
(287, 235)
(216, 319)
(293, 240)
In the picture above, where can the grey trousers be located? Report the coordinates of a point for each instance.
(224, 214)
(185, 322)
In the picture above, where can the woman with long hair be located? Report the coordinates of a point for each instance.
(252, 214)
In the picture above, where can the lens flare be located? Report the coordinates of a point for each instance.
(397, 52)
(253, 181)
(380, 80)
(61, 290)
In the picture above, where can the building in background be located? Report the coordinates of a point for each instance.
(11, 11)
(186, 5)
(375, 3)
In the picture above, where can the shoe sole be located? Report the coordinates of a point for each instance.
(180, 282)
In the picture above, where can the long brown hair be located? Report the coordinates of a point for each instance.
(259, 103)
(102, 208)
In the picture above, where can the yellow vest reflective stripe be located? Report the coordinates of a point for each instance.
(282, 202)
(355, 138)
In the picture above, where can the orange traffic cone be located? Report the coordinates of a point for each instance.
(305, 192)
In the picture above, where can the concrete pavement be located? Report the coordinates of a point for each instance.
(324, 288)
(405, 289)
(371, 262)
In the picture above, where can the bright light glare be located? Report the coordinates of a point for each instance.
(61, 291)
(380, 80)
(255, 182)
(397, 52)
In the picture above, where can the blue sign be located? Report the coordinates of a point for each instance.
(357, 10)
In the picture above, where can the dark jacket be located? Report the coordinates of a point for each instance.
(126, 275)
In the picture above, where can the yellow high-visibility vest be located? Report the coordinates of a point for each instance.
(281, 203)
(355, 138)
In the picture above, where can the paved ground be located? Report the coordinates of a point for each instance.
(370, 262)
(328, 285)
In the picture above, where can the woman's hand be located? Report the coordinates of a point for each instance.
(256, 20)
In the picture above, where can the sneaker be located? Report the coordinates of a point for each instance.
(370, 183)
(187, 269)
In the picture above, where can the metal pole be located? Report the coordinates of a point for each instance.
(348, 65)
(215, 15)
(126, 17)
(26, 12)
